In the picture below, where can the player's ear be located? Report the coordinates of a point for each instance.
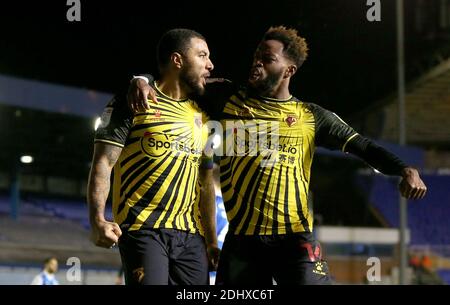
(290, 71)
(177, 59)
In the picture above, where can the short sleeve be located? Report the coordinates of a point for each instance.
(115, 122)
(331, 131)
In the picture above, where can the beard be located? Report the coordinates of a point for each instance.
(264, 86)
(192, 81)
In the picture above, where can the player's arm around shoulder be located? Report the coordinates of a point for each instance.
(139, 92)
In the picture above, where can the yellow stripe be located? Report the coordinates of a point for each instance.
(281, 202)
(237, 205)
(190, 201)
(128, 151)
(142, 188)
(179, 220)
(348, 140)
(196, 207)
(268, 208)
(195, 202)
(135, 197)
(176, 203)
(142, 217)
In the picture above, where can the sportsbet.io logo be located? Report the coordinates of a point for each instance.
(156, 145)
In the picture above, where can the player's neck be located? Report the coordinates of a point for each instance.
(280, 93)
(172, 87)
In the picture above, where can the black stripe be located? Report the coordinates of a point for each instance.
(311, 152)
(234, 104)
(228, 117)
(124, 184)
(179, 174)
(228, 172)
(288, 137)
(303, 220)
(306, 192)
(125, 161)
(180, 208)
(226, 188)
(229, 166)
(239, 161)
(245, 198)
(263, 199)
(224, 160)
(192, 204)
(131, 169)
(142, 180)
(141, 114)
(185, 135)
(173, 129)
(305, 187)
(130, 141)
(236, 160)
(134, 212)
(302, 165)
(276, 203)
(252, 201)
(226, 166)
(286, 205)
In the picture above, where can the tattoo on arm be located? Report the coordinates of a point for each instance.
(105, 157)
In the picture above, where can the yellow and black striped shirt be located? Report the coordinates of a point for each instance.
(155, 180)
(268, 194)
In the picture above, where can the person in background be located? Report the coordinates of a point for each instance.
(47, 276)
(425, 275)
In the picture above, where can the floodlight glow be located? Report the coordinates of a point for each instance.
(26, 159)
(97, 123)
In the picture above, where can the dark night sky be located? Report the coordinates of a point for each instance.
(351, 62)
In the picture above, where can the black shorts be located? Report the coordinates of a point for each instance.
(163, 257)
(293, 259)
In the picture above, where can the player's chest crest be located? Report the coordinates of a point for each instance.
(291, 119)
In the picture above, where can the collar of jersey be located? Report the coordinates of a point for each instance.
(271, 99)
(166, 96)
